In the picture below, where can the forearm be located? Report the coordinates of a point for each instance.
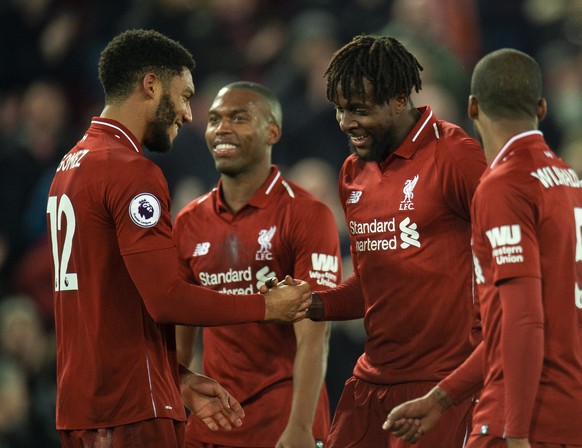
(185, 374)
(169, 299)
(522, 350)
(308, 371)
(185, 340)
(467, 379)
(344, 302)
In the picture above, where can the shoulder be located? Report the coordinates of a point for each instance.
(300, 207)
(508, 180)
(456, 140)
(301, 197)
(459, 154)
(196, 206)
(351, 167)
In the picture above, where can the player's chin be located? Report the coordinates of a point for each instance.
(225, 168)
(365, 155)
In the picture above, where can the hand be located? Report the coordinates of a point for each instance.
(513, 442)
(287, 301)
(272, 282)
(209, 401)
(412, 419)
(296, 437)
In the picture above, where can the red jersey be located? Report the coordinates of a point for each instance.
(409, 223)
(282, 230)
(527, 217)
(115, 364)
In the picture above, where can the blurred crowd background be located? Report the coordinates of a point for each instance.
(49, 91)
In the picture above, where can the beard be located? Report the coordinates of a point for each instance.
(157, 138)
(377, 153)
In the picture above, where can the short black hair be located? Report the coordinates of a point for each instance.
(384, 61)
(129, 55)
(266, 93)
(507, 83)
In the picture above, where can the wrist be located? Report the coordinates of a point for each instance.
(315, 310)
(442, 399)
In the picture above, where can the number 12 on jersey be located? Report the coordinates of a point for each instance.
(64, 281)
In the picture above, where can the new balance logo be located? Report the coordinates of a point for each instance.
(201, 249)
(504, 235)
(324, 262)
(355, 196)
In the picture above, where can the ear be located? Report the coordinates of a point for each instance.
(473, 107)
(542, 109)
(150, 84)
(401, 102)
(273, 133)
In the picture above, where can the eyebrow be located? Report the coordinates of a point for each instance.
(230, 112)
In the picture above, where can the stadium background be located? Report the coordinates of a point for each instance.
(49, 90)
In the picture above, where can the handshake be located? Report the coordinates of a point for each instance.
(290, 301)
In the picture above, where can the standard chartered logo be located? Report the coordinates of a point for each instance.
(409, 236)
(236, 281)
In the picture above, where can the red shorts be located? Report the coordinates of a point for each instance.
(155, 433)
(363, 407)
(266, 417)
(479, 441)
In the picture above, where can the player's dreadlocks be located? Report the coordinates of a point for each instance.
(383, 61)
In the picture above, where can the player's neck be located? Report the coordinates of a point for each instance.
(501, 131)
(238, 190)
(127, 115)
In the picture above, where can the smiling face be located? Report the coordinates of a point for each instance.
(371, 127)
(240, 132)
(172, 111)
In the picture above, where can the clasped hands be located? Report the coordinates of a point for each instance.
(286, 301)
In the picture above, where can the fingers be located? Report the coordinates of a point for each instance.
(235, 420)
(216, 422)
(231, 409)
(408, 429)
(291, 281)
(234, 408)
(237, 409)
(211, 423)
(225, 419)
(271, 282)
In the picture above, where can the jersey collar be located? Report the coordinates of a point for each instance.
(505, 149)
(261, 198)
(121, 132)
(425, 126)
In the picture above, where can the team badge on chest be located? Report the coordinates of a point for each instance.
(408, 190)
(264, 240)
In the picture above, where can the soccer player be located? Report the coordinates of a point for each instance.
(117, 289)
(527, 241)
(406, 193)
(252, 226)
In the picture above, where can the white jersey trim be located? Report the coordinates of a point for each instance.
(289, 189)
(505, 147)
(422, 127)
(120, 130)
(273, 182)
(150, 383)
